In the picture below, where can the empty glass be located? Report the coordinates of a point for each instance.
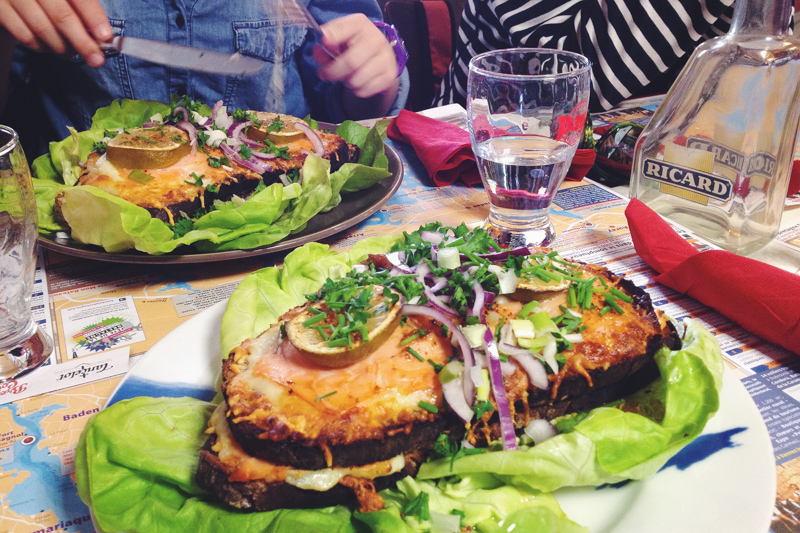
(527, 109)
(22, 345)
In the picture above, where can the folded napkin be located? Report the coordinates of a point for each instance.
(446, 152)
(763, 299)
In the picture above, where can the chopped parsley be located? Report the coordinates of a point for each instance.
(182, 227)
(276, 125)
(446, 446)
(198, 180)
(483, 406)
(216, 162)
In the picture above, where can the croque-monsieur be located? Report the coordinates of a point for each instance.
(444, 340)
(177, 165)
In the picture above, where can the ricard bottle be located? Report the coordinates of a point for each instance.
(717, 154)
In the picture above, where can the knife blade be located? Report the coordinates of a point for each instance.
(188, 57)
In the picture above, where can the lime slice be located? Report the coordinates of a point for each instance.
(305, 331)
(286, 134)
(145, 148)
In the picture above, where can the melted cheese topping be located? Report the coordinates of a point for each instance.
(284, 394)
(607, 339)
(169, 185)
(243, 467)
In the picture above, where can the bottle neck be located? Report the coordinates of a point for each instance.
(761, 17)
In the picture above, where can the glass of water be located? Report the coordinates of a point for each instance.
(23, 346)
(527, 109)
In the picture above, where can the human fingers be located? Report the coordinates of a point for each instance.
(372, 78)
(365, 58)
(55, 26)
(82, 23)
(14, 23)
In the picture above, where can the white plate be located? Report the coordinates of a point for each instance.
(722, 482)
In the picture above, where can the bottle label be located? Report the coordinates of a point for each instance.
(757, 164)
(690, 179)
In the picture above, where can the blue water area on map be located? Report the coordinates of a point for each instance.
(135, 386)
(185, 285)
(699, 449)
(703, 447)
(45, 488)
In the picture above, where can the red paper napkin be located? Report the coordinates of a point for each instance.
(763, 299)
(446, 151)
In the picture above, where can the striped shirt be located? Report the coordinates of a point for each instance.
(630, 42)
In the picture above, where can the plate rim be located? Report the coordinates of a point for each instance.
(292, 241)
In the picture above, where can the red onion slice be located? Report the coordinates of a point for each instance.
(233, 155)
(477, 307)
(316, 142)
(263, 155)
(503, 254)
(433, 237)
(183, 111)
(454, 394)
(215, 110)
(191, 131)
(460, 340)
(537, 374)
(499, 390)
(236, 130)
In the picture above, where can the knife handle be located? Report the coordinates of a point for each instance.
(113, 44)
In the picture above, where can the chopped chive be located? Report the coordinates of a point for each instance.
(317, 311)
(541, 275)
(622, 296)
(409, 339)
(605, 285)
(605, 310)
(499, 327)
(324, 396)
(428, 407)
(413, 352)
(335, 343)
(436, 366)
(614, 305)
(571, 301)
(314, 320)
(587, 298)
(320, 331)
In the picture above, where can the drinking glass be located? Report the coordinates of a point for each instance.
(23, 346)
(527, 109)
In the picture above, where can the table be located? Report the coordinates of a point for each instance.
(38, 434)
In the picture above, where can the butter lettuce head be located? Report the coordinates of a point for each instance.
(116, 225)
(136, 460)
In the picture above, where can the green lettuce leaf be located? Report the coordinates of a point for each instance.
(46, 192)
(610, 445)
(135, 466)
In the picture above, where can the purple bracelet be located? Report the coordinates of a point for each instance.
(398, 46)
